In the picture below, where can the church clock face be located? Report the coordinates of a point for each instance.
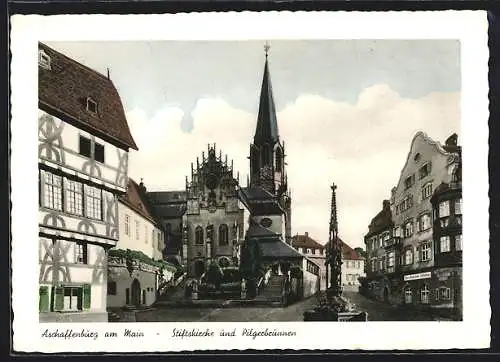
(266, 222)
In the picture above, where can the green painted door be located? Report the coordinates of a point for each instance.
(43, 302)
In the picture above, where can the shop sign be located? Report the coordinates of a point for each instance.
(417, 276)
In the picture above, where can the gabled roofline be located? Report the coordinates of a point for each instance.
(429, 141)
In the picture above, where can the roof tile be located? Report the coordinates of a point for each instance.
(64, 89)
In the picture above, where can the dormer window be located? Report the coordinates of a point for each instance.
(91, 105)
(43, 59)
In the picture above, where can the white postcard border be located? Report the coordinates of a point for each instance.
(468, 26)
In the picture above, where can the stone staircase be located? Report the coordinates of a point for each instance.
(272, 292)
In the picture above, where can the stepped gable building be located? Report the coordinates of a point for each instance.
(84, 141)
(427, 166)
(268, 238)
(378, 248)
(447, 234)
(419, 258)
(136, 268)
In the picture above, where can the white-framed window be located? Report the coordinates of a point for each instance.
(127, 224)
(444, 222)
(72, 298)
(408, 295)
(425, 252)
(424, 294)
(52, 191)
(44, 59)
(91, 149)
(91, 105)
(387, 236)
(74, 197)
(458, 242)
(407, 203)
(93, 202)
(308, 251)
(458, 206)
(427, 190)
(397, 231)
(444, 244)
(137, 231)
(409, 181)
(444, 209)
(390, 259)
(425, 170)
(408, 257)
(424, 222)
(444, 293)
(381, 264)
(81, 256)
(408, 228)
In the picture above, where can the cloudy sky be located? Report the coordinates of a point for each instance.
(347, 111)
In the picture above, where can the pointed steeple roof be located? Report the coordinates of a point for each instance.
(267, 124)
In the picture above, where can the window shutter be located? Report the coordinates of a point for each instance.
(86, 296)
(58, 298)
(417, 254)
(43, 303)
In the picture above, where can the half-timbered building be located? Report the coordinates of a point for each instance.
(84, 141)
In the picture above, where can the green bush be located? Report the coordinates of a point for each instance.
(140, 256)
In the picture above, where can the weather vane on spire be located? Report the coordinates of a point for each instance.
(266, 48)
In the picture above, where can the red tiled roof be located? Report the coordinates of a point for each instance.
(348, 253)
(136, 199)
(305, 241)
(64, 89)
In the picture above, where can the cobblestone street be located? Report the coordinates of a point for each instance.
(291, 313)
(377, 311)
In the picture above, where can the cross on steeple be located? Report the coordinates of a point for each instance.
(266, 48)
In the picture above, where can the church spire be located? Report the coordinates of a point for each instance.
(267, 124)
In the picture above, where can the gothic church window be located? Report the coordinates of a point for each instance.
(198, 235)
(223, 234)
(279, 159)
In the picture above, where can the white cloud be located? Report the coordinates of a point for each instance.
(361, 147)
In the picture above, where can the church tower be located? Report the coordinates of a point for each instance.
(267, 152)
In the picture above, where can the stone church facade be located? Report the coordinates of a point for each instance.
(214, 221)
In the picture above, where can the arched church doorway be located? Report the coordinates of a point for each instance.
(199, 268)
(136, 292)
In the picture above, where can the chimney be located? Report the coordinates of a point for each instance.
(307, 234)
